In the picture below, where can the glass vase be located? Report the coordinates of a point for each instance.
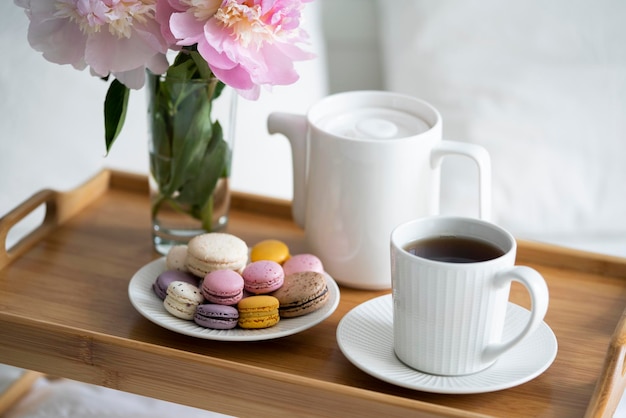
(191, 131)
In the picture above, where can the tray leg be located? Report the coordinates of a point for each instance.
(18, 389)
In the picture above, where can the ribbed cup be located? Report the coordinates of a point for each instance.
(444, 317)
(446, 314)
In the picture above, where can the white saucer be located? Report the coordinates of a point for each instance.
(365, 336)
(146, 302)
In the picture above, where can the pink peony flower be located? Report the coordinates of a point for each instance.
(119, 37)
(247, 43)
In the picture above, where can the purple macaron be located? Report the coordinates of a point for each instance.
(214, 316)
(263, 276)
(164, 279)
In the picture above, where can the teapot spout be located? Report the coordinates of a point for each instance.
(294, 127)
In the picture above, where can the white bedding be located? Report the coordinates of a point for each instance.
(67, 398)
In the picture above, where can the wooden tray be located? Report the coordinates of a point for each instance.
(64, 310)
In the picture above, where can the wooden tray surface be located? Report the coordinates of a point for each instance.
(64, 310)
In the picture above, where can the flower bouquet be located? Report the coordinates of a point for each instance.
(242, 44)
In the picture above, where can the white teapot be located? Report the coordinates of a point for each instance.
(363, 163)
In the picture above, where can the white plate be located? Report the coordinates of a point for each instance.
(150, 306)
(365, 336)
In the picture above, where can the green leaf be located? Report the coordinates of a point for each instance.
(215, 162)
(191, 133)
(218, 89)
(203, 67)
(115, 106)
(199, 192)
(218, 161)
(211, 166)
(182, 71)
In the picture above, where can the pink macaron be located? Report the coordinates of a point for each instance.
(303, 262)
(263, 276)
(224, 287)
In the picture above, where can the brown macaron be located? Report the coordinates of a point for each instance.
(301, 293)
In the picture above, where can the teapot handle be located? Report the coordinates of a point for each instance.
(483, 161)
(294, 127)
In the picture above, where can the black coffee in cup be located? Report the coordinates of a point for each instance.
(454, 249)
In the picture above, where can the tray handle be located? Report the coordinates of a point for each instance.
(612, 382)
(59, 206)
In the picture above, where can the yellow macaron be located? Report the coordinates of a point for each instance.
(270, 249)
(257, 312)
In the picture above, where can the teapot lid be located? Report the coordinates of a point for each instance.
(373, 123)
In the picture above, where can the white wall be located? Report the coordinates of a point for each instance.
(351, 29)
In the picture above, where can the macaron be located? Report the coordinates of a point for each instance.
(270, 249)
(263, 276)
(302, 293)
(258, 312)
(224, 287)
(164, 279)
(182, 300)
(213, 316)
(216, 251)
(303, 262)
(176, 258)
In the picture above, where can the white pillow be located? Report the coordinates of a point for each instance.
(541, 85)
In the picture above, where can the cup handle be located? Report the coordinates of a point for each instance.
(539, 297)
(482, 159)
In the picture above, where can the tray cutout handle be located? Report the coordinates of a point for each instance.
(611, 384)
(59, 207)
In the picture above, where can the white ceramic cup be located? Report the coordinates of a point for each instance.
(364, 162)
(448, 317)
